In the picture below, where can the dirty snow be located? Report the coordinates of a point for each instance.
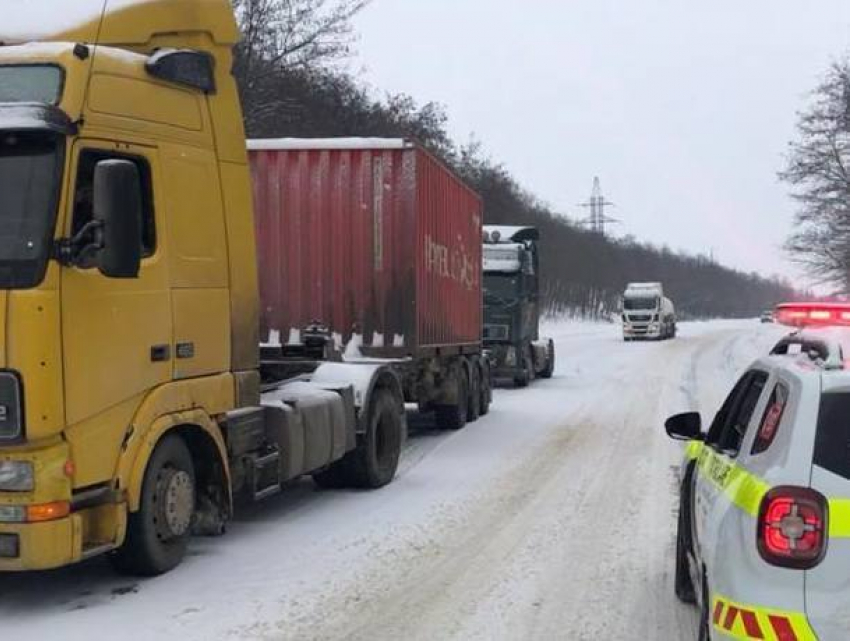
(551, 518)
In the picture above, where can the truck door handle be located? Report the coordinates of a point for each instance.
(160, 353)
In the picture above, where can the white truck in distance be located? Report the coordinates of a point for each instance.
(647, 313)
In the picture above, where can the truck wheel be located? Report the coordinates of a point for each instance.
(549, 370)
(485, 390)
(524, 377)
(474, 403)
(453, 417)
(158, 534)
(375, 461)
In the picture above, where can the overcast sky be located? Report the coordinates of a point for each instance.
(683, 108)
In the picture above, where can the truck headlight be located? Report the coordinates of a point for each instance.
(17, 476)
(510, 357)
(11, 419)
(12, 514)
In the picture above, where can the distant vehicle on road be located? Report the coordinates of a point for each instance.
(647, 313)
(763, 541)
(512, 305)
(767, 316)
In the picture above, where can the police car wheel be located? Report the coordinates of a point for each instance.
(704, 620)
(683, 585)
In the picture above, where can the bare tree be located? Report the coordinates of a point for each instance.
(284, 36)
(817, 169)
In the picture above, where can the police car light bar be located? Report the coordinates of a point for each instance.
(813, 314)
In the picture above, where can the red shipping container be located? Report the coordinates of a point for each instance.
(372, 237)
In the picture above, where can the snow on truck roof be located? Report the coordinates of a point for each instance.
(331, 144)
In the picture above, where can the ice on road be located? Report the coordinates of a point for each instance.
(551, 518)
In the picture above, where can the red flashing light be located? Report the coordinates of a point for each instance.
(813, 314)
(792, 527)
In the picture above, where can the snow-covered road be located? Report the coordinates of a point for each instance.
(551, 518)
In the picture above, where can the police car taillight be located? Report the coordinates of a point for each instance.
(813, 314)
(792, 527)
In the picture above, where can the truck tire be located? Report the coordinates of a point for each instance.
(486, 394)
(375, 461)
(158, 534)
(474, 404)
(453, 417)
(525, 376)
(549, 370)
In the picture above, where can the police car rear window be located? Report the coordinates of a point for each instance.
(832, 443)
(771, 419)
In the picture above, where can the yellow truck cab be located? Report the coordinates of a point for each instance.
(132, 409)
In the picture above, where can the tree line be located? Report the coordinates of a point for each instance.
(292, 84)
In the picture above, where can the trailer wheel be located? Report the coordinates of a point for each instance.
(474, 403)
(453, 417)
(484, 386)
(375, 461)
(158, 534)
(549, 370)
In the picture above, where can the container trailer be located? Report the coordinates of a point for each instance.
(376, 242)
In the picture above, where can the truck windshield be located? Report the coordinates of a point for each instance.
(30, 166)
(31, 83)
(634, 303)
(501, 288)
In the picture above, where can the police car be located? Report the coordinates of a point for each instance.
(763, 543)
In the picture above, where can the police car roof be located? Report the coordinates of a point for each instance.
(819, 349)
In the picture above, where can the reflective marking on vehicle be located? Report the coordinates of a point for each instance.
(750, 622)
(692, 450)
(743, 489)
(839, 518)
(746, 491)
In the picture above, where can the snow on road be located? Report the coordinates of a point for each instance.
(551, 518)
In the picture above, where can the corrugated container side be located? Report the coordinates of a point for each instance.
(367, 242)
(449, 240)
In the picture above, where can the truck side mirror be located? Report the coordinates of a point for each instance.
(118, 208)
(685, 427)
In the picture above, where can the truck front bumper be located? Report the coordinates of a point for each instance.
(642, 331)
(40, 546)
(38, 529)
(504, 360)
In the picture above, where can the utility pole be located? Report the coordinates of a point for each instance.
(598, 219)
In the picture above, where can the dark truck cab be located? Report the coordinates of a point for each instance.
(512, 305)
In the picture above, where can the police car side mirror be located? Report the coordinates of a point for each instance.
(685, 427)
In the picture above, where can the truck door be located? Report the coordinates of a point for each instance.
(117, 333)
